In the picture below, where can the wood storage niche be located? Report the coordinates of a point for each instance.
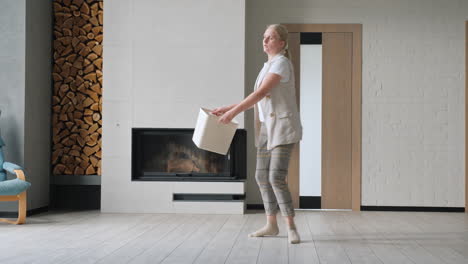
(77, 87)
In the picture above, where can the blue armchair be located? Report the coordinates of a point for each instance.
(13, 190)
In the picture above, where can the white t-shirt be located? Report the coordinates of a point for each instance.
(278, 65)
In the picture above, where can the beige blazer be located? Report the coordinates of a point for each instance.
(282, 118)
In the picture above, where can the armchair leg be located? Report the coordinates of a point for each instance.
(22, 205)
(22, 202)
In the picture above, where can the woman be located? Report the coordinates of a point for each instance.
(277, 129)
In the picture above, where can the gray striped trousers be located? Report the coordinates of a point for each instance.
(271, 173)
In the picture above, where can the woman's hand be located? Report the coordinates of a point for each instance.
(221, 110)
(227, 117)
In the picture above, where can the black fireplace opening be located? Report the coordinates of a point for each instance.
(170, 155)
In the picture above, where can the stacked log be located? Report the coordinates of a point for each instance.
(77, 89)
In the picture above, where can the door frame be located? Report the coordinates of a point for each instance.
(466, 115)
(356, 108)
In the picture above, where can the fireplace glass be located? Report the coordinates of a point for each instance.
(170, 154)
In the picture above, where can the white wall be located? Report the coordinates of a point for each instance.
(38, 97)
(412, 92)
(164, 60)
(12, 81)
(25, 93)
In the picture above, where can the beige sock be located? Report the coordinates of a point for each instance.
(293, 235)
(270, 229)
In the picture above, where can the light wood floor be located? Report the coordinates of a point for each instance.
(327, 237)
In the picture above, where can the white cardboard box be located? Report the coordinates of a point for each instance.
(211, 135)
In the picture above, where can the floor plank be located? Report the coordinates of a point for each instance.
(326, 237)
(304, 252)
(246, 249)
(327, 242)
(221, 245)
(164, 247)
(191, 248)
(147, 240)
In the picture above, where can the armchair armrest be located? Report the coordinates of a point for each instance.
(11, 167)
(14, 169)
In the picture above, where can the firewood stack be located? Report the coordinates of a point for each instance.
(77, 94)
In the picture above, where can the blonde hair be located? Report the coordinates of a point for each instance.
(282, 32)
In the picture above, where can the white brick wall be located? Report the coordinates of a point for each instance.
(412, 92)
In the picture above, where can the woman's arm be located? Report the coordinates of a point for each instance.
(270, 81)
(221, 110)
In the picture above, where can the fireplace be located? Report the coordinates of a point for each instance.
(171, 155)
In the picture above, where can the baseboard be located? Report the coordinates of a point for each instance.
(310, 202)
(255, 207)
(413, 208)
(209, 197)
(76, 179)
(209, 207)
(305, 202)
(28, 212)
(389, 208)
(75, 197)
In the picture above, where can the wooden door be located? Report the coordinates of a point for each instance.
(337, 66)
(294, 42)
(336, 120)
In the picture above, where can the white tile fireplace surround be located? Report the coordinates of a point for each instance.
(163, 63)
